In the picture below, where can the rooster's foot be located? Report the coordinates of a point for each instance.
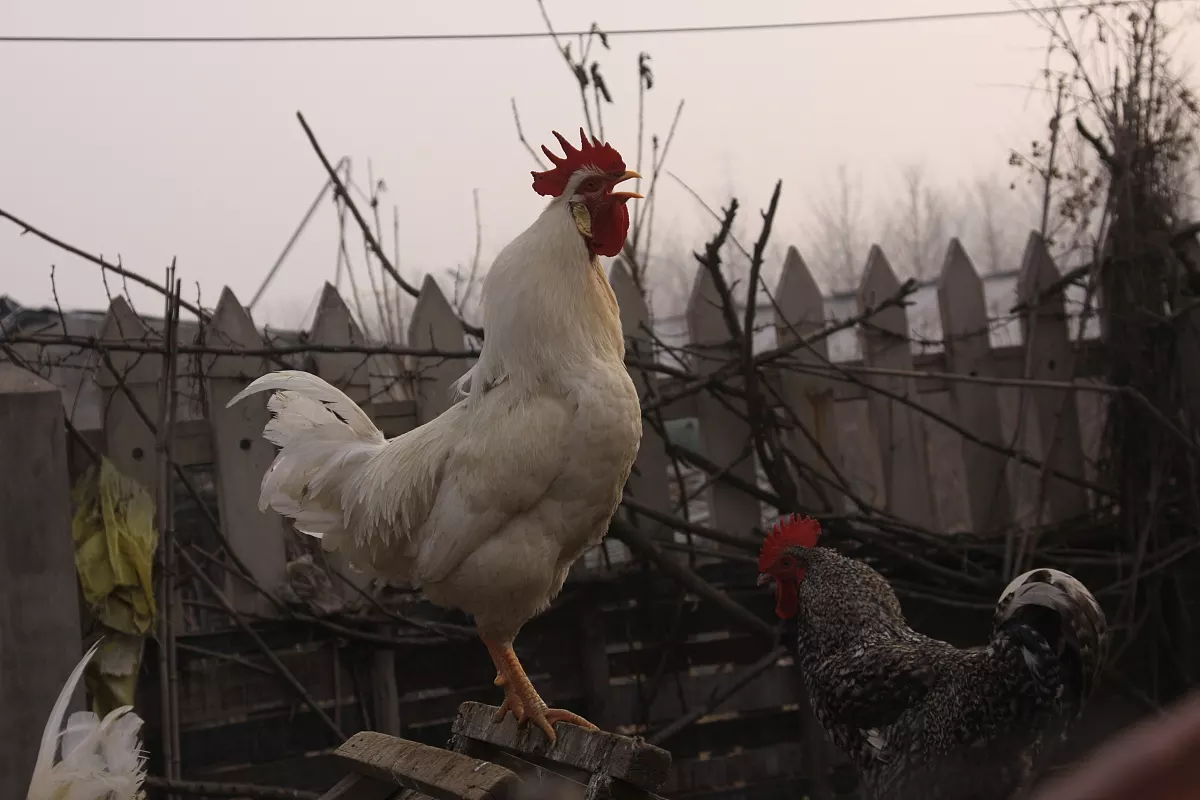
(540, 715)
(521, 698)
(511, 702)
(546, 719)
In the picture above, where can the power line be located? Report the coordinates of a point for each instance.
(953, 16)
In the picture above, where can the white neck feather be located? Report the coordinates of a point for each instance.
(547, 306)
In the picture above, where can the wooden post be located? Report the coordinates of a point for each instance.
(1049, 357)
(810, 398)
(40, 636)
(434, 325)
(724, 436)
(648, 481)
(243, 456)
(899, 428)
(384, 690)
(965, 330)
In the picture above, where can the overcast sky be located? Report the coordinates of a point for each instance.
(193, 150)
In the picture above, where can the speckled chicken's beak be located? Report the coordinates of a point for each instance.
(763, 578)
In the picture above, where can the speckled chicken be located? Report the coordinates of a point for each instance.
(920, 718)
(486, 507)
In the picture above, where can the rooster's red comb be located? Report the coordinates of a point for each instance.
(793, 531)
(592, 153)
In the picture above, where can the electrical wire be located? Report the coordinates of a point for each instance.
(950, 16)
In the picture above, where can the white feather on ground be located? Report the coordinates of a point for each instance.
(101, 759)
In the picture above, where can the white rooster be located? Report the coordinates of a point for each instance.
(486, 507)
(101, 759)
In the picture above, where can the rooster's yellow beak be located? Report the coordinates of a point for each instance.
(627, 175)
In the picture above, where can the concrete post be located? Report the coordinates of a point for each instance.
(39, 608)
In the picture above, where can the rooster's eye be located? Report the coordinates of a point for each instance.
(590, 185)
(786, 562)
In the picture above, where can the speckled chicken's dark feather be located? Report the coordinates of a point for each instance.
(923, 719)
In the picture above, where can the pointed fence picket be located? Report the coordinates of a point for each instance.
(725, 436)
(899, 427)
(965, 329)
(648, 482)
(809, 398)
(1049, 356)
(435, 326)
(258, 538)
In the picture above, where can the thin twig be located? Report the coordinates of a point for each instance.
(736, 684)
(95, 343)
(384, 261)
(521, 137)
(98, 261)
(645, 546)
(166, 622)
(266, 650)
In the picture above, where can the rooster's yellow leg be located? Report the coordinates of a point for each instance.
(511, 701)
(532, 704)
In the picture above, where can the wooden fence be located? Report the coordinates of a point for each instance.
(931, 438)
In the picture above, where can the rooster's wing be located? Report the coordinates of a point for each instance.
(471, 472)
(871, 686)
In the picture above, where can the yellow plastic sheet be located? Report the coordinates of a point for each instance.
(115, 543)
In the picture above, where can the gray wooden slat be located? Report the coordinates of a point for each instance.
(440, 774)
(977, 406)
(242, 455)
(899, 428)
(622, 757)
(1050, 356)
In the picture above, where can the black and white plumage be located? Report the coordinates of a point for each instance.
(921, 718)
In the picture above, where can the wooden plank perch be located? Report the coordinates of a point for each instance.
(608, 764)
(501, 762)
(436, 773)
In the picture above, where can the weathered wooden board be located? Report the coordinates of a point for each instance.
(440, 774)
(621, 757)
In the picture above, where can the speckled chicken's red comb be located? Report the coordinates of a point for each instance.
(590, 154)
(794, 531)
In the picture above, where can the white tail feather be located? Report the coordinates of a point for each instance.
(340, 480)
(305, 385)
(324, 439)
(101, 759)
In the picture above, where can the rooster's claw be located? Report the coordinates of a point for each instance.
(522, 699)
(547, 718)
(511, 703)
